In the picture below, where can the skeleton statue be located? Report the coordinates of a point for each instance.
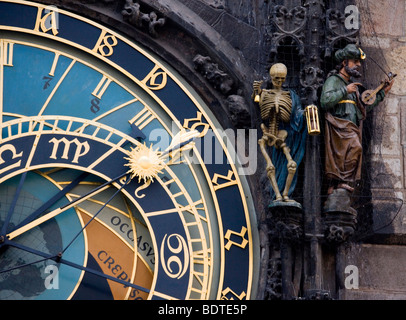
(283, 123)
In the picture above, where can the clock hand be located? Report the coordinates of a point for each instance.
(23, 265)
(94, 216)
(13, 204)
(58, 258)
(180, 140)
(51, 201)
(54, 213)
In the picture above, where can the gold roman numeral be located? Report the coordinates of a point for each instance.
(142, 118)
(54, 63)
(6, 54)
(101, 87)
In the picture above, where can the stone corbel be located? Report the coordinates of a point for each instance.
(133, 14)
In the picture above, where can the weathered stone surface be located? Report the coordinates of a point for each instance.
(386, 173)
(380, 271)
(387, 16)
(387, 135)
(397, 60)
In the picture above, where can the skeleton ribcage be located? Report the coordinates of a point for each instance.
(270, 100)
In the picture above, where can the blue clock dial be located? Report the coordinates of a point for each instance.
(48, 237)
(109, 186)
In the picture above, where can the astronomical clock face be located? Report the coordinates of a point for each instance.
(108, 185)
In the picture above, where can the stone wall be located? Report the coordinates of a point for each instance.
(383, 33)
(379, 252)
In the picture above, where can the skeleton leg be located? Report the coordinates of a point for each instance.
(270, 168)
(291, 171)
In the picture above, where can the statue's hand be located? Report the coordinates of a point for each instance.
(353, 87)
(389, 86)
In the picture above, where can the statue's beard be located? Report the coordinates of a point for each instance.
(353, 72)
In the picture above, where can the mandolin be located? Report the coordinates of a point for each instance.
(368, 97)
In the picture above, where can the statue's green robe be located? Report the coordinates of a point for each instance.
(343, 136)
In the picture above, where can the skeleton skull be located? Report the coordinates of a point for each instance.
(278, 74)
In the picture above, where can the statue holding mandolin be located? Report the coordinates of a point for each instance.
(346, 104)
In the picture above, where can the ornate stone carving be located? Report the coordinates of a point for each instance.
(222, 82)
(336, 30)
(219, 79)
(311, 79)
(286, 223)
(318, 295)
(240, 117)
(289, 23)
(274, 282)
(133, 14)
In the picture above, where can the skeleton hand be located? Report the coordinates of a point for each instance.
(257, 86)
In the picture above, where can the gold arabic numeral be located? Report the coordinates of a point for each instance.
(156, 78)
(142, 118)
(229, 181)
(242, 244)
(227, 291)
(6, 54)
(47, 20)
(197, 122)
(105, 43)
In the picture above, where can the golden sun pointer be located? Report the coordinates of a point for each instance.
(144, 163)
